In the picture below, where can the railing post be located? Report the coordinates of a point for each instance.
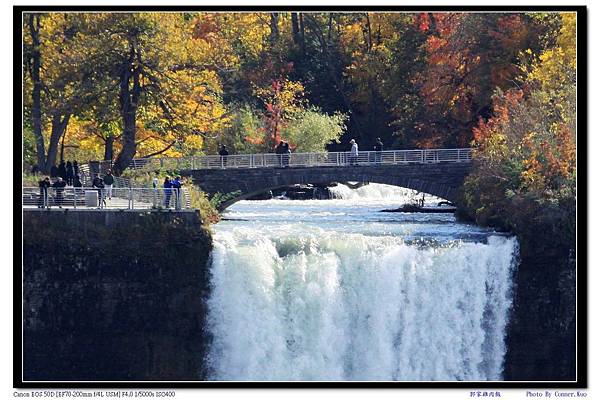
(74, 198)
(130, 203)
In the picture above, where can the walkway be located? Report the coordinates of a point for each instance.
(122, 198)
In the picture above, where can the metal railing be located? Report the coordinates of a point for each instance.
(117, 198)
(425, 156)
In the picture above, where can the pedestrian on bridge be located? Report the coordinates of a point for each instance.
(353, 152)
(378, 149)
(223, 153)
(155, 187)
(62, 170)
(109, 179)
(59, 186)
(286, 151)
(279, 151)
(176, 185)
(77, 184)
(99, 184)
(69, 173)
(167, 185)
(44, 184)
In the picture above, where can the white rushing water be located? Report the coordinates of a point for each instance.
(335, 290)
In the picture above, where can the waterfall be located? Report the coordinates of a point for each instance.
(378, 192)
(311, 304)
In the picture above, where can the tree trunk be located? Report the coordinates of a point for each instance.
(369, 34)
(36, 111)
(432, 24)
(128, 99)
(109, 148)
(274, 35)
(295, 29)
(302, 38)
(59, 126)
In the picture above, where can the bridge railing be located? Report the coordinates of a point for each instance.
(117, 198)
(424, 156)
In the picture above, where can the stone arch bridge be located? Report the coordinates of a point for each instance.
(437, 172)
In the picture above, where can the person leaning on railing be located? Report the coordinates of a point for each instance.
(59, 186)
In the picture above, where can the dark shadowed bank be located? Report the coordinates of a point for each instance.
(114, 295)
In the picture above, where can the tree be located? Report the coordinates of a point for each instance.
(282, 100)
(311, 130)
(161, 69)
(468, 56)
(525, 152)
(58, 81)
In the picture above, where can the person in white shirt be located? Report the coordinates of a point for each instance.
(353, 152)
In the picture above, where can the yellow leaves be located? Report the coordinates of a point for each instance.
(567, 39)
(556, 66)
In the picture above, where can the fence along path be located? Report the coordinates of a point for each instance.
(122, 198)
(87, 175)
(424, 156)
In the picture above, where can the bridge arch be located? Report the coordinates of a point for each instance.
(440, 179)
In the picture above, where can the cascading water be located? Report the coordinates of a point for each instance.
(334, 290)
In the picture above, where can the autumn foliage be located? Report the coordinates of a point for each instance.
(525, 151)
(120, 85)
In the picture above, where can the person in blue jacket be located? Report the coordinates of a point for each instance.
(176, 185)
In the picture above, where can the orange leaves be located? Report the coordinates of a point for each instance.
(435, 44)
(502, 105)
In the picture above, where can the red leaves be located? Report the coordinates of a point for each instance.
(422, 21)
(276, 85)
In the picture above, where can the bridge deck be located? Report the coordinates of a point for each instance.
(246, 161)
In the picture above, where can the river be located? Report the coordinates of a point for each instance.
(335, 290)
